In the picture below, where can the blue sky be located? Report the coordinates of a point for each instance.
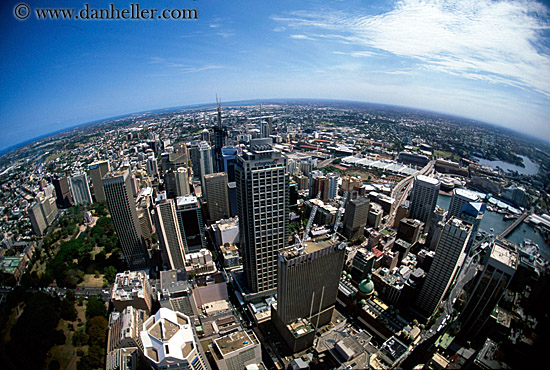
(487, 60)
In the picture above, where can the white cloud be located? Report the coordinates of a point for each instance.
(301, 37)
(356, 54)
(181, 67)
(496, 41)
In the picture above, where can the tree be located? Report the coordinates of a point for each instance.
(97, 330)
(95, 307)
(70, 296)
(54, 365)
(67, 310)
(80, 338)
(110, 274)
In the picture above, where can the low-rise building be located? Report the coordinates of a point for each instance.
(200, 262)
(236, 350)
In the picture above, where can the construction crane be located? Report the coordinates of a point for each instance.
(308, 227)
(339, 215)
(311, 218)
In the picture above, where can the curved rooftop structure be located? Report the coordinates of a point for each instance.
(427, 179)
(366, 286)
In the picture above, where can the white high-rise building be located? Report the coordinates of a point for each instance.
(467, 206)
(262, 202)
(459, 198)
(332, 185)
(205, 155)
(80, 189)
(449, 255)
(424, 198)
(182, 181)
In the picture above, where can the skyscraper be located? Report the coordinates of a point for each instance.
(229, 156)
(152, 167)
(177, 182)
(355, 220)
(217, 195)
(97, 171)
(459, 198)
(467, 206)
(168, 231)
(262, 203)
(191, 224)
(308, 281)
(42, 213)
(332, 185)
(173, 161)
(449, 255)
(424, 198)
(122, 206)
(313, 192)
(63, 191)
(80, 189)
(220, 140)
(488, 287)
(266, 127)
(307, 285)
(205, 156)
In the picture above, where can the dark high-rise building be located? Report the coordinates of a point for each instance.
(307, 285)
(220, 140)
(63, 192)
(262, 202)
(122, 206)
(191, 224)
(488, 287)
(229, 155)
(449, 255)
(308, 281)
(362, 264)
(424, 198)
(217, 195)
(355, 220)
(409, 230)
(173, 161)
(168, 230)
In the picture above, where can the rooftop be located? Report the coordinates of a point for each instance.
(129, 285)
(186, 201)
(234, 342)
(465, 193)
(427, 179)
(504, 255)
(311, 246)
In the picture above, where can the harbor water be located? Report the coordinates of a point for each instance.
(495, 221)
